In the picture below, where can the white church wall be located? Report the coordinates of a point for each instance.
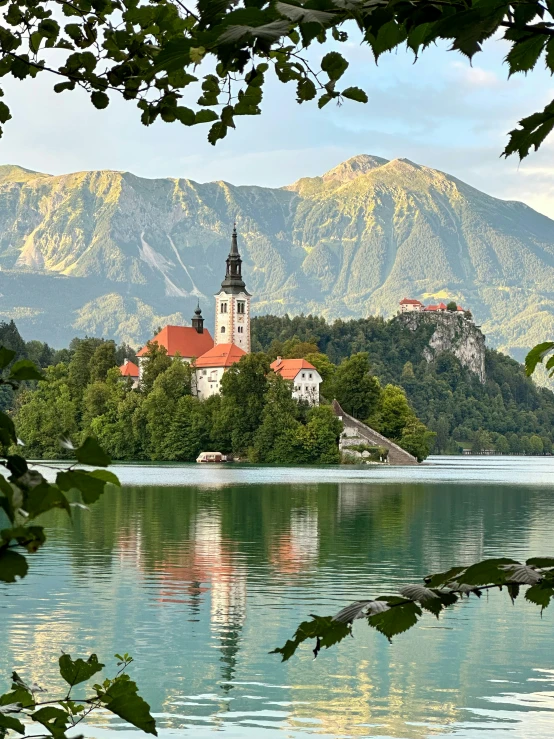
(306, 386)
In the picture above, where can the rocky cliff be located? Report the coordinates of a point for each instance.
(454, 334)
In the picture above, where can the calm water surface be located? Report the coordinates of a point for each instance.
(199, 571)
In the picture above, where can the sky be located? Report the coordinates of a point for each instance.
(440, 112)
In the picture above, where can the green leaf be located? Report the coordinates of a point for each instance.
(355, 93)
(122, 699)
(29, 537)
(443, 578)
(25, 370)
(334, 64)
(532, 132)
(99, 99)
(5, 114)
(17, 465)
(90, 485)
(305, 90)
(523, 56)
(541, 562)
(6, 356)
(540, 594)
(78, 671)
(205, 116)
(9, 723)
(536, 355)
(90, 452)
(18, 694)
(397, 619)
(43, 498)
(323, 628)
(487, 572)
(7, 430)
(55, 720)
(12, 565)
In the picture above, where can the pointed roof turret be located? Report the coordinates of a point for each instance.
(233, 282)
(198, 321)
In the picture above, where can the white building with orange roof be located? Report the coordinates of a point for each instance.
(130, 370)
(211, 366)
(303, 375)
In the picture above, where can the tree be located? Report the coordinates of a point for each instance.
(243, 389)
(155, 54)
(417, 439)
(442, 429)
(327, 371)
(45, 414)
(393, 413)
(102, 361)
(452, 306)
(318, 440)
(296, 349)
(355, 388)
(502, 445)
(276, 439)
(80, 364)
(155, 362)
(481, 442)
(535, 445)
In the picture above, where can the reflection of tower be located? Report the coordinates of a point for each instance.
(300, 547)
(232, 303)
(228, 590)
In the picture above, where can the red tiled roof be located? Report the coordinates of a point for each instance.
(183, 340)
(289, 368)
(410, 301)
(221, 355)
(441, 306)
(129, 369)
(431, 307)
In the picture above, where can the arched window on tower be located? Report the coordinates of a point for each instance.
(223, 329)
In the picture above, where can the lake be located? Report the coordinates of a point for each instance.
(199, 571)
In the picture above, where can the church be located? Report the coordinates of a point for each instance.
(231, 340)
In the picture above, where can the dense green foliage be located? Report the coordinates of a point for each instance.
(255, 415)
(57, 716)
(343, 245)
(507, 412)
(394, 614)
(151, 53)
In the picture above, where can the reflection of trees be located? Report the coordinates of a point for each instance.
(198, 555)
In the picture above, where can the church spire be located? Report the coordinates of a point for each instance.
(233, 282)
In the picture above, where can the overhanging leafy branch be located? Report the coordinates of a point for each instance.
(158, 52)
(394, 614)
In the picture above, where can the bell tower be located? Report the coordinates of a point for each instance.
(232, 303)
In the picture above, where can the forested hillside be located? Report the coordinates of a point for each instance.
(114, 255)
(507, 412)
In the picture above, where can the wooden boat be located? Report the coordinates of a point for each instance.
(211, 457)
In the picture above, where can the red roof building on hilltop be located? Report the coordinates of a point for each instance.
(408, 305)
(304, 376)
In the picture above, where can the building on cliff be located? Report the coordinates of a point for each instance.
(409, 305)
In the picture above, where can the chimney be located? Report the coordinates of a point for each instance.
(279, 360)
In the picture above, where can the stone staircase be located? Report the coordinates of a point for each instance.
(355, 432)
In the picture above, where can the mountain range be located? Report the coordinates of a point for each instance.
(110, 254)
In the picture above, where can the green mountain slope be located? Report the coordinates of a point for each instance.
(114, 254)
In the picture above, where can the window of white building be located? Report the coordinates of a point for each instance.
(240, 306)
(223, 329)
(223, 308)
(240, 329)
